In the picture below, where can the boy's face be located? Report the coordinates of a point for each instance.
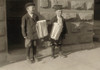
(30, 9)
(58, 12)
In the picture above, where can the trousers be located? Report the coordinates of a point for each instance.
(34, 49)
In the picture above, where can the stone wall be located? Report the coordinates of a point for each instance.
(3, 31)
(79, 18)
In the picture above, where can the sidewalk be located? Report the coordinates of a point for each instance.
(81, 60)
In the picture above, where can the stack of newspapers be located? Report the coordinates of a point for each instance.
(41, 28)
(56, 31)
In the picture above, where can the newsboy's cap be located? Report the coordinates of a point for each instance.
(29, 4)
(57, 7)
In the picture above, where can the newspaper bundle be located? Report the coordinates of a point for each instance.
(41, 28)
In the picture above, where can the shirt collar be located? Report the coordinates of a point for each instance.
(31, 15)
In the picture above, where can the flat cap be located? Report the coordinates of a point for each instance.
(57, 7)
(29, 4)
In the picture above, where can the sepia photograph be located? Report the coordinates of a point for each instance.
(49, 34)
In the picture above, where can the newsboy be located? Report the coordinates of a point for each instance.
(29, 33)
(58, 30)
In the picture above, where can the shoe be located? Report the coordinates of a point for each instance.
(29, 61)
(53, 56)
(35, 59)
(61, 55)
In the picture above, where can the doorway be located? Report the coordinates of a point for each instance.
(15, 11)
(97, 21)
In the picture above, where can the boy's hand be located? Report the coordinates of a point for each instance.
(42, 40)
(25, 37)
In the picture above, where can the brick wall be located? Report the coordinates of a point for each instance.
(79, 18)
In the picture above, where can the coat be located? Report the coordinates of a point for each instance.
(28, 26)
(64, 30)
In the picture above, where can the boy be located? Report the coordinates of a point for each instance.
(59, 20)
(29, 33)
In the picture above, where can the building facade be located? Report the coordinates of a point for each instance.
(78, 14)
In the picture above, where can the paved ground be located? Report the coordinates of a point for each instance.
(19, 54)
(81, 60)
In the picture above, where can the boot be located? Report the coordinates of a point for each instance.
(29, 60)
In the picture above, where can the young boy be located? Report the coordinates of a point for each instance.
(28, 26)
(59, 20)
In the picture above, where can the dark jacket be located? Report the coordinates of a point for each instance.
(29, 26)
(64, 31)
